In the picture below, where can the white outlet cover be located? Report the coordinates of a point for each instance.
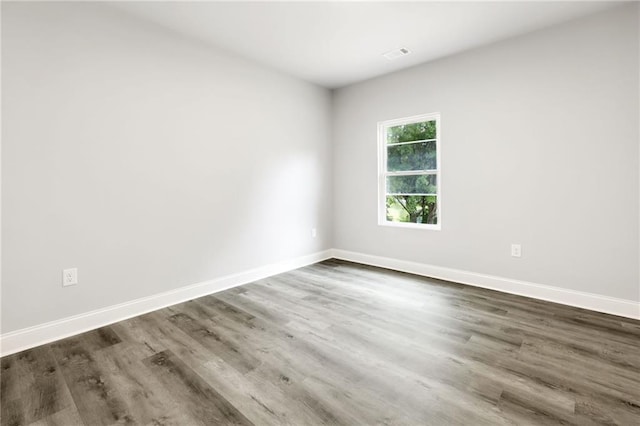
(69, 277)
(516, 250)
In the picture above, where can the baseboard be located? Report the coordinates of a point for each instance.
(594, 302)
(20, 340)
(26, 338)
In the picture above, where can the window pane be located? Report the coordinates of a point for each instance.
(412, 209)
(413, 156)
(418, 184)
(412, 132)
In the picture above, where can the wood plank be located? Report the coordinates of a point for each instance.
(215, 339)
(198, 398)
(147, 400)
(98, 402)
(67, 417)
(32, 381)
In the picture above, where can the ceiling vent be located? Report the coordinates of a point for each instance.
(397, 53)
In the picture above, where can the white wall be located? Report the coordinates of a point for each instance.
(539, 147)
(147, 161)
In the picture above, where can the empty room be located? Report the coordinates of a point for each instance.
(320, 213)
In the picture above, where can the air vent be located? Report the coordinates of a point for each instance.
(397, 53)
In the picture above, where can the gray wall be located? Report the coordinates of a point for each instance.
(539, 147)
(147, 161)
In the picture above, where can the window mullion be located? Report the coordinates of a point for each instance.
(410, 142)
(411, 172)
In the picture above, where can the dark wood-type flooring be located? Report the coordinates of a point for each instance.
(341, 344)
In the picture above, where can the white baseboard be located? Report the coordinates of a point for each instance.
(30, 337)
(26, 338)
(594, 302)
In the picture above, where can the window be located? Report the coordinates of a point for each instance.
(409, 172)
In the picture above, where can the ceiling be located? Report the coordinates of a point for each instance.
(334, 44)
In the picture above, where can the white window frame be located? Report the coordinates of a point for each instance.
(383, 173)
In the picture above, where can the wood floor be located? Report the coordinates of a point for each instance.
(341, 344)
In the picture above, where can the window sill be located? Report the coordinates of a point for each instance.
(410, 225)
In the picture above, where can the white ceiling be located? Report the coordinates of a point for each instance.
(334, 44)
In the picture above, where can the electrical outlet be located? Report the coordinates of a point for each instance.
(69, 277)
(314, 232)
(516, 250)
